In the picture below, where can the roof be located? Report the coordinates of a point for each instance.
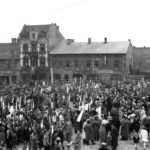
(29, 28)
(93, 48)
(9, 50)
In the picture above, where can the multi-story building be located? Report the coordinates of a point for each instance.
(141, 61)
(9, 62)
(36, 41)
(92, 60)
(42, 53)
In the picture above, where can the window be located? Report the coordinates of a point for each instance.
(60, 64)
(67, 64)
(76, 63)
(42, 47)
(33, 36)
(116, 63)
(34, 47)
(25, 61)
(25, 47)
(42, 61)
(88, 64)
(96, 64)
(34, 61)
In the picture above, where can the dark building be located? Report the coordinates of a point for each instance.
(141, 61)
(9, 62)
(91, 60)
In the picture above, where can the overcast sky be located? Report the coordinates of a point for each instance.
(118, 20)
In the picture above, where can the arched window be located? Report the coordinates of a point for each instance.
(33, 36)
(42, 61)
(25, 61)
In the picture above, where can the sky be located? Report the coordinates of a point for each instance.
(118, 20)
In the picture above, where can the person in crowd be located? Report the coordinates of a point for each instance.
(77, 141)
(102, 134)
(115, 134)
(58, 145)
(125, 128)
(108, 140)
(144, 136)
(135, 139)
(89, 133)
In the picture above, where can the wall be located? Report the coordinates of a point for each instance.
(58, 64)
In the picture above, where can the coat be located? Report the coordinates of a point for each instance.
(125, 128)
(143, 135)
(114, 141)
(88, 131)
(77, 142)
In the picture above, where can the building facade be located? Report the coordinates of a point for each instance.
(9, 62)
(92, 60)
(42, 53)
(36, 41)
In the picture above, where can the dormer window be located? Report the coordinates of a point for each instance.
(33, 36)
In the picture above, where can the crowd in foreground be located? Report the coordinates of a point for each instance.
(42, 115)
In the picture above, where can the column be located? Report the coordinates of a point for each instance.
(46, 59)
(52, 75)
(29, 45)
(105, 60)
(21, 59)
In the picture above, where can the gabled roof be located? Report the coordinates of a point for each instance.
(93, 48)
(9, 51)
(29, 28)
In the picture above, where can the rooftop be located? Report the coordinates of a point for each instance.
(9, 51)
(93, 48)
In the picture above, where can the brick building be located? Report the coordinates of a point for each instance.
(9, 62)
(91, 60)
(42, 53)
(36, 41)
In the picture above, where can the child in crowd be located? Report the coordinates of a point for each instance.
(135, 139)
(109, 139)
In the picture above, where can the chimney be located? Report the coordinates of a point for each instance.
(89, 40)
(68, 41)
(57, 27)
(14, 40)
(72, 40)
(105, 40)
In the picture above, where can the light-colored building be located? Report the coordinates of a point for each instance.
(91, 60)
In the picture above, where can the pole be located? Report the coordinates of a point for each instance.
(52, 75)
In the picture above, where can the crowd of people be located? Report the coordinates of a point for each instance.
(56, 116)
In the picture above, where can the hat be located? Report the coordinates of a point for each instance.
(103, 144)
(58, 139)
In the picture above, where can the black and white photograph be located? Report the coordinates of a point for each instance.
(74, 75)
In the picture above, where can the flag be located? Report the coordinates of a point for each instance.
(42, 124)
(52, 129)
(80, 115)
(67, 89)
(98, 110)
